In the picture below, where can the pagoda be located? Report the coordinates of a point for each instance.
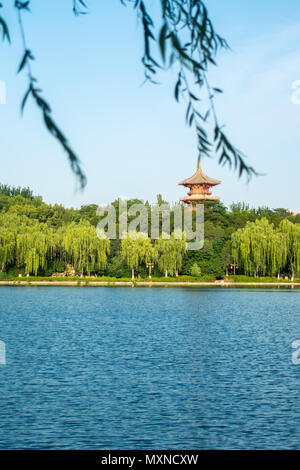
(199, 187)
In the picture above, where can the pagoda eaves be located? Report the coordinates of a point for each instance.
(199, 185)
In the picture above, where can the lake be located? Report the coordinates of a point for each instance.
(149, 368)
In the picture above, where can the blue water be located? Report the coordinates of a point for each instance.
(142, 368)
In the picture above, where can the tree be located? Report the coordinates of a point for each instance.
(259, 248)
(34, 247)
(12, 191)
(179, 241)
(291, 244)
(187, 42)
(83, 248)
(170, 253)
(226, 256)
(116, 267)
(7, 247)
(42, 238)
(166, 256)
(133, 248)
(251, 246)
(195, 270)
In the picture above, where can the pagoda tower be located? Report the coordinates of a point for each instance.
(199, 187)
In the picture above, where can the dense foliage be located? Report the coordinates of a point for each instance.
(261, 248)
(42, 239)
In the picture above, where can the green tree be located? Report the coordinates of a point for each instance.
(7, 247)
(179, 242)
(170, 253)
(83, 248)
(12, 191)
(133, 248)
(291, 244)
(195, 270)
(42, 238)
(34, 247)
(226, 256)
(259, 248)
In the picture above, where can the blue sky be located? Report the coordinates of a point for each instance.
(133, 140)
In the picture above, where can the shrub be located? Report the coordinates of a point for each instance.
(195, 270)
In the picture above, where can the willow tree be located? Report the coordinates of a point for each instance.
(278, 253)
(9, 227)
(179, 240)
(134, 247)
(170, 253)
(34, 247)
(255, 248)
(7, 247)
(291, 244)
(11, 224)
(83, 248)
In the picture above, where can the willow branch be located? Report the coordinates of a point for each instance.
(35, 93)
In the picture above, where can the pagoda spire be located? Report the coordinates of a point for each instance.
(199, 163)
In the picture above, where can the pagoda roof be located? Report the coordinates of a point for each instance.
(198, 198)
(199, 178)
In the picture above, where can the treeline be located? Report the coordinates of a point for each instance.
(11, 191)
(262, 249)
(42, 239)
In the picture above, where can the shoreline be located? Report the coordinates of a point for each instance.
(148, 284)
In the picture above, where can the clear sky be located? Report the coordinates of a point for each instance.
(133, 140)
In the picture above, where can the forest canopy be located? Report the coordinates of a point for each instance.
(43, 239)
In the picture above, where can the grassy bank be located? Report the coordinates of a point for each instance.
(111, 281)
